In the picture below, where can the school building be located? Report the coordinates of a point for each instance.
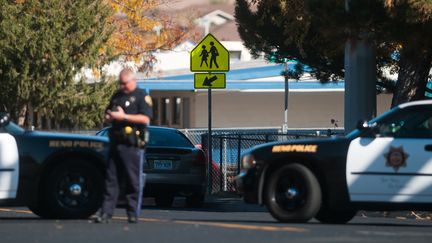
(254, 97)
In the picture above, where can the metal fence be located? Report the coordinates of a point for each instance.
(229, 144)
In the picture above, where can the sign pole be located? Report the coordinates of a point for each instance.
(209, 58)
(209, 142)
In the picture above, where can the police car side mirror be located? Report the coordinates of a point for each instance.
(4, 119)
(367, 128)
(362, 125)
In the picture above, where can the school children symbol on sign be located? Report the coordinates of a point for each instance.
(209, 56)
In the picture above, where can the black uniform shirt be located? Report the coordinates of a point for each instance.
(136, 102)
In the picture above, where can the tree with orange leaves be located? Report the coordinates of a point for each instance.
(140, 30)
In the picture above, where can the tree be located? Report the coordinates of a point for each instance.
(409, 25)
(314, 32)
(43, 46)
(141, 29)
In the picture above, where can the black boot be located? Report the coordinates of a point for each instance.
(103, 219)
(132, 219)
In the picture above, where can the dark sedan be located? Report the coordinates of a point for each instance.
(174, 167)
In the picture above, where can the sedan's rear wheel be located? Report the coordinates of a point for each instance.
(195, 201)
(293, 194)
(164, 201)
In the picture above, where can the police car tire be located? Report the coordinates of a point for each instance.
(40, 210)
(94, 177)
(311, 188)
(164, 201)
(327, 216)
(195, 201)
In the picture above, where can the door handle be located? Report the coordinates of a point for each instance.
(428, 147)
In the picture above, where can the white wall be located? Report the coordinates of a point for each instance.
(250, 109)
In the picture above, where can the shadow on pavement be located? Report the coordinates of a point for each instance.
(212, 204)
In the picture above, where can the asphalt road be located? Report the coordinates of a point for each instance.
(221, 221)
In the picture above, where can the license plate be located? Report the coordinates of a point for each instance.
(162, 165)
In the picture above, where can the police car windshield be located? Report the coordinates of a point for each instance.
(14, 129)
(355, 133)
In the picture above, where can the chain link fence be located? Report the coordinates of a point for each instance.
(229, 144)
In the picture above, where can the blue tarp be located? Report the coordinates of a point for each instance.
(239, 74)
(238, 79)
(240, 85)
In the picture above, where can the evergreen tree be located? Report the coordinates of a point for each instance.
(43, 46)
(314, 33)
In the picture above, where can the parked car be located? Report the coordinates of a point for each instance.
(386, 164)
(174, 167)
(59, 175)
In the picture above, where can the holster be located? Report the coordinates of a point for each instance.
(137, 136)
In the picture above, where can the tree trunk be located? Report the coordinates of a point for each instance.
(414, 64)
(39, 120)
(48, 122)
(22, 115)
(30, 116)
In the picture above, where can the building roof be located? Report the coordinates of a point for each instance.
(253, 72)
(221, 16)
(265, 78)
(227, 32)
(244, 86)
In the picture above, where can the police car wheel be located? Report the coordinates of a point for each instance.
(195, 201)
(74, 189)
(40, 210)
(293, 194)
(328, 216)
(164, 201)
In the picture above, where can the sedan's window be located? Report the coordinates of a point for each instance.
(168, 138)
(412, 122)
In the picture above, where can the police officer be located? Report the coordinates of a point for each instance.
(129, 112)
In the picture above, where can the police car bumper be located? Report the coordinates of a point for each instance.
(246, 186)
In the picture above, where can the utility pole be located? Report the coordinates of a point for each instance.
(285, 125)
(360, 79)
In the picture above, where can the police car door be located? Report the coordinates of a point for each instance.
(9, 168)
(394, 165)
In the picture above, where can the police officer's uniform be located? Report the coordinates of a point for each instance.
(126, 154)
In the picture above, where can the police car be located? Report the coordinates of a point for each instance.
(58, 175)
(385, 164)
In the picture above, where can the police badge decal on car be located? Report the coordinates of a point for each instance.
(396, 158)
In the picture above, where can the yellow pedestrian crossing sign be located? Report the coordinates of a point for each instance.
(209, 80)
(209, 56)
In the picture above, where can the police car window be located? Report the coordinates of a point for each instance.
(103, 132)
(168, 138)
(412, 122)
(14, 129)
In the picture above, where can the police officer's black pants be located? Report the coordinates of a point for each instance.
(124, 161)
